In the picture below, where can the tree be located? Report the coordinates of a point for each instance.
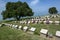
(53, 10)
(17, 10)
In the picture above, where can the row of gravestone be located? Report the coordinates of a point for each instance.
(31, 30)
(52, 16)
(42, 22)
(48, 16)
(25, 28)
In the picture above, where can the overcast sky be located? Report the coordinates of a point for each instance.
(40, 7)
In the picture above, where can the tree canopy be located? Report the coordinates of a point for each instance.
(53, 10)
(17, 10)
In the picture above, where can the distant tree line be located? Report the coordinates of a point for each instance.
(17, 10)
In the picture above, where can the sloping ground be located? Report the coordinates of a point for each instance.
(7, 33)
(51, 27)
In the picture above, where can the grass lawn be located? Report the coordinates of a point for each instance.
(7, 33)
(51, 27)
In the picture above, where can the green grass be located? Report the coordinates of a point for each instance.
(7, 33)
(51, 27)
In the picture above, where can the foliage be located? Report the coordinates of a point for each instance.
(53, 10)
(17, 10)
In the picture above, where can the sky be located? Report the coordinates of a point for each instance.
(39, 7)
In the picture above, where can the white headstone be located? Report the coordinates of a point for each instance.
(16, 26)
(20, 27)
(25, 28)
(0, 25)
(45, 21)
(15, 21)
(21, 22)
(28, 22)
(36, 21)
(57, 33)
(13, 25)
(44, 31)
(32, 29)
(50, 21)
(54, 16)
(10, 24)
(57, 22)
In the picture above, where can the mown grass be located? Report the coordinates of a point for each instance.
(51, 27)
(7, 33)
